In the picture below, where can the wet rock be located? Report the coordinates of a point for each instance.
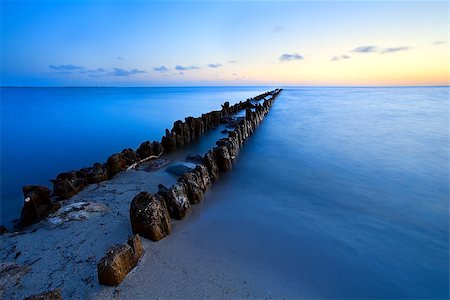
(69, 184)
(48, 295)
(96, 174)
(203, 176)
(194, 158)
(149, 216)
(180, 168)
(119, 261)
(36, 206)
(224, 162)
(130, 156)
(193, 184)
(169, 142)
(116, 163)
(176, 200)
(11, 275)
(148, 149)
(209, 160)
(3, 230)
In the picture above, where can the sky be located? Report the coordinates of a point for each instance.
(192, 43)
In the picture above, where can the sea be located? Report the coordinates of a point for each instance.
(342, 192)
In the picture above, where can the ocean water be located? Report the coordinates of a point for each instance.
(340, 193)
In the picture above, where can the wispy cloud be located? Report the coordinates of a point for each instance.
(232, 61)
(290, 57)
(181, 68)
(278, 28)
(365, 49)
(394, 49)
(119, 57)
(340, 57)
(439, 42)
(161, 69)
(214, 66)
(125, 73)
(68, 67)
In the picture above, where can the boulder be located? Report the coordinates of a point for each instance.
(193, 184)
(149, 216)
(168, 141)
(36, 206)
(148, 149)
(130, 156)
(96, 173)
(180, 168)
(69, 184)
(176, 200)
(119, 261)
(209, 160)
(203, 176)
(116, 163)
(48, 295)
(223, 157)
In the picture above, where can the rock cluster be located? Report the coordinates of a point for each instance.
(149, 213)
(48, 295)
(119, 261)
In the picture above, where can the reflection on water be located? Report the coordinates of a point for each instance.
(340, 193)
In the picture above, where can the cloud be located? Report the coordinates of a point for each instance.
(161, 69)
(214, 66)
(289, 57)
(394, 49)
(277, 28)
(232, 61)
(340, 57)
(125, 73)
(119, 57)
(365, 49)
(68, 67)
(439, 42)
(181, 68)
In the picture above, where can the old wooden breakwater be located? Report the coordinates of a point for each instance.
(150, 214)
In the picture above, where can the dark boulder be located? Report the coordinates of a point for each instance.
(149, 216)
(36, 206)
(203, 176)
(148, 149)
(209, 160)
(69, 184)
(96, 173)
(116, 163)
(223, 157)
(176, 200)
(130, 156)
(193, 184)
(119, 261)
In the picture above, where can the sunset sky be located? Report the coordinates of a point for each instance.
(142, 43)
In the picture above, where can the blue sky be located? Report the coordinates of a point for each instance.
(143, 43)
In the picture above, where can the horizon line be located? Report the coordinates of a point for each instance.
(193, 86)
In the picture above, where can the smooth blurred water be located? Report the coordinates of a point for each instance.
(46, 131)
(340, 193)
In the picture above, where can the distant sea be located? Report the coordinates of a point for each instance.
(342, 192)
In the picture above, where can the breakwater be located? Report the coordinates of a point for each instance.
(40, 201)
(150, 214)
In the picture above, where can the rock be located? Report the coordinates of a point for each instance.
(36, 206)
(176, 200)
(180, 168)
(119, 261)
(48, 295)
(96, 174)
(69, 184)
(148, 149)
(11, 275)
(130, 156)
(209, 160)
(168, 141)
(3, 230)
(203, 176)
(223, 157)
(193, 184)
(155, 164)
(78, 211)
(149, 216)
(116, 163)
(194, 158)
